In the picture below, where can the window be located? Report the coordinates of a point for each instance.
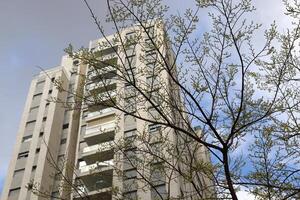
(131, 38)
(130, 104)
(84, 114)
(130, 133)
(44, 119)
(158, 173)
(130, 91)
(36, 99)
(41, 134)
(65, 126)
(129, 122)
(23, 155)
(14, 193)
(101, 182)
(19, 172)
(130, 195)
(29, 127)
(129, 159)
(55, 196)
(71, 88)
(129, 185)
(150, 45)
(46, 109)
(63, 141)
(33, 113)
(154, 114)
(39, 86)
(70, 98)
(52, 79)
(50, 92)
(155, 97)
(67, 116)
(150, 31)
(159, 191)
(130, 50)
(73, 75)
(154, 128)
(37, 150)
(130, 174)
(61, 160)
(130, 62)
(43, 126)
(151, 67)
(129, 77)
(153, 81)
(150, 53)
(83, 129)
(27, 138)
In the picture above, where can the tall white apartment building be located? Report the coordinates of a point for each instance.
(108, 169)
(90, 150)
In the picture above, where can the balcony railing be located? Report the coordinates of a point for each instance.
(92, 190)
(100, 189)
(96, 166)
(103, 128)
(94, 73)
(99, 113)
(105, 146)
(104, 96)
(109, 56)
(93, 86)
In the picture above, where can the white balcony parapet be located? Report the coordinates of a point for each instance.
(102, 96)
(103, 128)
(93, 86)
(96, 166)
(109, 56)
(101, 71)
(99, 147)
(99, 113)
(108, 94)
(83, 190)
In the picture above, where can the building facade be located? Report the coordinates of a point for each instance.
(86, 143)
(47, 135)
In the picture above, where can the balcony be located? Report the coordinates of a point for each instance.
(98, 167)
(100, 133)
(100, 129)
(101, 97)
(98, 148)
(98, 153)
(109, 56)
(95, 180)
(99, 114)
(108, 84)
(103, 72)
(84, 192)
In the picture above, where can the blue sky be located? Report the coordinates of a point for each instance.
(34, 33)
